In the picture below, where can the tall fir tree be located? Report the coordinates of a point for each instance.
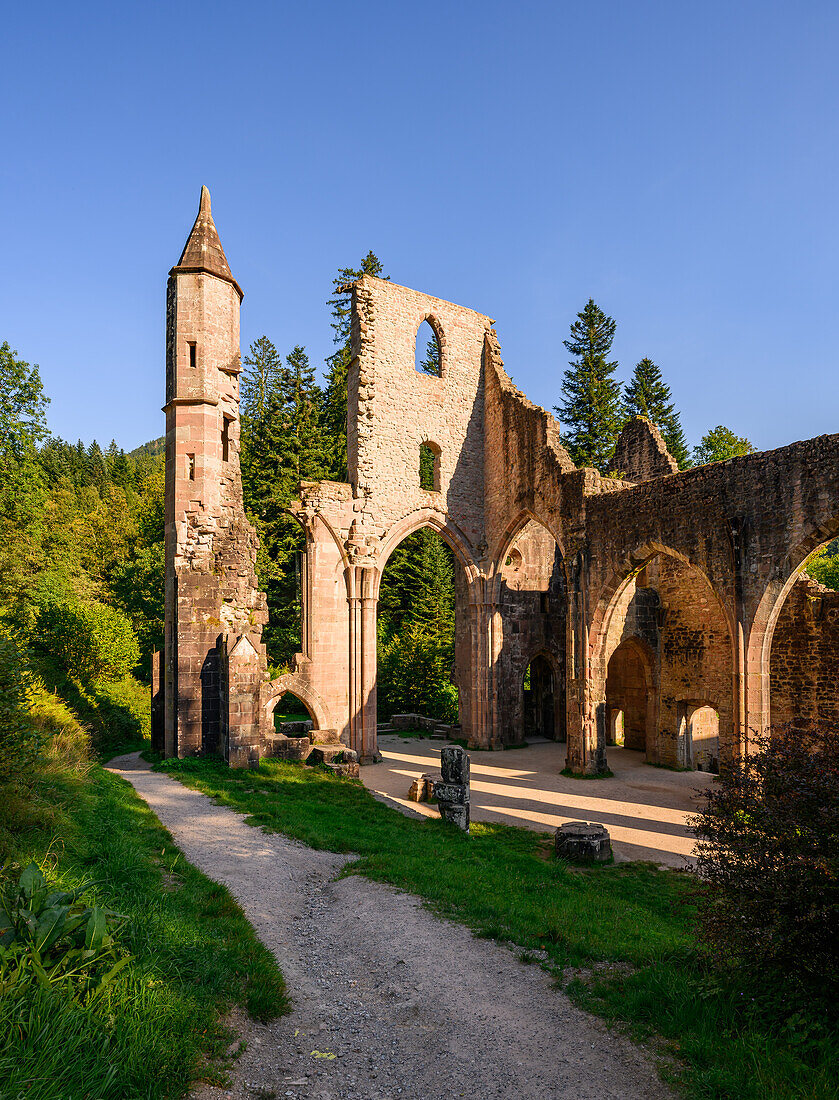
(302, 401)
(260, 378)
(591, 412)
(334, 407)
(648, 395)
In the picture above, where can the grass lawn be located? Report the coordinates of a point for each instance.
(620, 938)
(159, 1026)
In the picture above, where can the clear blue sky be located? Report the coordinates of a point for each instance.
(677, 162)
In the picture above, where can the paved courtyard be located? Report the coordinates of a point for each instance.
(645, 809)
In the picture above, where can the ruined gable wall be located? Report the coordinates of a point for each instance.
(641, 453)
(393, 409)
(804, 659)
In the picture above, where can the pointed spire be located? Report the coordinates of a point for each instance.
(203, 251)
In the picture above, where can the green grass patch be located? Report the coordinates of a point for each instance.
(194, 954)
(628, 928)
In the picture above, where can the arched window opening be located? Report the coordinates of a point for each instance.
(292, 716)
(423, 637)
(513, 561)
(628, 695)
(429, 467)
(427, 358)
(539, 701)
(704, 739)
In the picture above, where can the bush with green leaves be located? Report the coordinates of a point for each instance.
(92, 642)
(51, 938)
(768, 856)
(412, 676)
(20, 741)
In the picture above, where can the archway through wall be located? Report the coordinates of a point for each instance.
(531, 619)
(290, 710)
(541, 701)
(423, 634)
(802, 646)
(660, 636)
(630, 696)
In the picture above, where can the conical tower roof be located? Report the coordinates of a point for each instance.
(203, 251)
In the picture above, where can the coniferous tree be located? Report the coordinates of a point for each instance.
(591, 413)
(96, 467)
(302, 400)
(649, 396)
(334, 407)
(260, 378)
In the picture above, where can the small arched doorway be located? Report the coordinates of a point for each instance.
(290, 715)
(628, 703)
(539, 700)
(702, 748)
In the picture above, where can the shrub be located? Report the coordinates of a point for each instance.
(769, 855)
(90, 641)
(413, 677)
(20, 741)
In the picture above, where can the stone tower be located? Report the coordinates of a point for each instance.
(214, 657)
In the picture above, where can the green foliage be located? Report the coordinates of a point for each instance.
(194, 955)
(769, 853)
(260, 379)
(649, 396)
(20, 742)
(591, 412)
(823, 566)
(53, 938)
(720, 444)
(412, 676)
(90, 641)
(22, 407)
(416, 629)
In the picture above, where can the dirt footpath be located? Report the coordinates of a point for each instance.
(389, 1000)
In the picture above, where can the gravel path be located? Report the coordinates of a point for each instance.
(411, 1006)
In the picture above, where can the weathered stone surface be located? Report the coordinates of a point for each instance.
(422, 789)
(581, 842)
(454, 765)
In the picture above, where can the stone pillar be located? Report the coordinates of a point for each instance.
(369, 743)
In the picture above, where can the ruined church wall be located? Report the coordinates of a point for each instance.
(394, 409)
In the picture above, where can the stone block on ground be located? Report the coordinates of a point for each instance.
(289, 748)
(422, 789)
(452, 792)
(583, 842)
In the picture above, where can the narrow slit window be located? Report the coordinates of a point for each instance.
(225, 440)
(190, 467)
(429, 467)
(193, 353)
